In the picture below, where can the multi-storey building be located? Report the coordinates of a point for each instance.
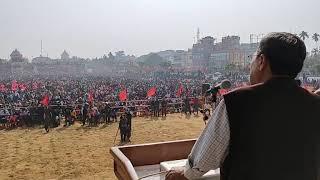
(215, 56)
(201, 52)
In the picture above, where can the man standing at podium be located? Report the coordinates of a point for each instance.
(269, 130)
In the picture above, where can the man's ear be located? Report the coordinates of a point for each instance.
(263, 63)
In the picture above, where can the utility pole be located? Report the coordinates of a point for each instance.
(41, 49)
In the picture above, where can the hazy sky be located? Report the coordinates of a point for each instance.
(91, 28)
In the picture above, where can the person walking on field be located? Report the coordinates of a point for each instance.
(123, 126)
(46, 118)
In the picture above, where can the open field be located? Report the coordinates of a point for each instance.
(81, 152)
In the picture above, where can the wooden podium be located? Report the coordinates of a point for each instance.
(127, 158)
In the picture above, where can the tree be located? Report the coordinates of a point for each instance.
(2, 61)
(111, 56)
(315, 37)
(303, 35)
(315, 51)
(166, 64)
(120, 54)
(151, 59)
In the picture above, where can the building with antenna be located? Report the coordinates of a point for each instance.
(207, 54)
(201, 51)
(41, 59)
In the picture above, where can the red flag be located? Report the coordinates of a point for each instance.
(152, 91)
(180, 90)
(45, 100)
(14, 85)
(123, 95)
(90, 97)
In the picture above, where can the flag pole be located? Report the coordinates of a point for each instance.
(115, 137)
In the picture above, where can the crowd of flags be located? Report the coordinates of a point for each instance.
(89, 96)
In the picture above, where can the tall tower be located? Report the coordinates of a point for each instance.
(198, 35)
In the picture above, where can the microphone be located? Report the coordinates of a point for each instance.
(224, 84)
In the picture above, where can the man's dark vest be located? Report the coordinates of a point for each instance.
(274, 133)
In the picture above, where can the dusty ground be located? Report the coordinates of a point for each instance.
(81, 152)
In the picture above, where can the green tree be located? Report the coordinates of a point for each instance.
(303, 35)
(151, 59)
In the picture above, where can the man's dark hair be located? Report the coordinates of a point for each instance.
(286, 53)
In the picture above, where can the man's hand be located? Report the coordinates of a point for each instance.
(176, 173)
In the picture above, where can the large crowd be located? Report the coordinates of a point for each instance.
(97, 99)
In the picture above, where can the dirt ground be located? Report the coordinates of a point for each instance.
(81, 152)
